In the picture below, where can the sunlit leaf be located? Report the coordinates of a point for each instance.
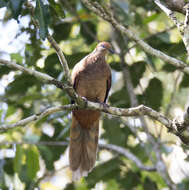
(32, 161)
(18, 159)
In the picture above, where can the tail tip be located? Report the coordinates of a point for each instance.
(77, 174)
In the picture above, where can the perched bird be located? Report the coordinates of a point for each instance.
(91, 78)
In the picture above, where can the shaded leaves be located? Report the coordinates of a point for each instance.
(16, 7)
(42, 14)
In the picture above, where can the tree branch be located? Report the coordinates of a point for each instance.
(151, 139)
(128, 155)
(114, 148)
(61, 57)
(45, 78)
(37, 117)
(176, 5)
(98, 10)
(182, 27)
(84, 104)
(39, 75)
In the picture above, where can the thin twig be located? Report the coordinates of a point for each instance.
(128, 155)
(37, 117)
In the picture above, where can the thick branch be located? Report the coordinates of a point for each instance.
(98, 10)
(176, 5)
(83, 103)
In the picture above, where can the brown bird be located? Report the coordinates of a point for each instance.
(91, 78)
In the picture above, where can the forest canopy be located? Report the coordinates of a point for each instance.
(144, 130)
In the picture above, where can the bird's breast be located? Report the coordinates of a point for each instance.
(93, 84)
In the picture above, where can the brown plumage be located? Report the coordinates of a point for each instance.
(91, 78)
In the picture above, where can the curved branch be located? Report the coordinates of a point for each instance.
(45, 78)
(61, 57)
(127, 154)
(110, 147)
(98, 10)
(54, 44)
(39, 75)
(135, 111)
(37, 117)
(83, 103)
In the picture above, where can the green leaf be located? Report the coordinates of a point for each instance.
(16, 57)
(104, 172)
(137, 69)
(16, 7)
(52, 65)
(57, 9)
(32, 161)
(112, 127)
(154, 94)
(120, 98)
(52, 153)
(3, 3)
(131, 180)
(116, 66)
(62, 31)
(185, 81)
(148, 5)
(18, 159)
(150, 18)
(112, 185)
(43, 16)
(4, 70)
(183, 185)
(32, 51)
(47, 156)
(21, 84)
(121, 8)
(88, 31)
(8, 166)
(75, 57)
(23, 176)
(169, 68)
(139, 151)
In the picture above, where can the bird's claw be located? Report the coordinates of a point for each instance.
(105, 106)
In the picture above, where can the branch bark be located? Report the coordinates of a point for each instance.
(37, 117)
(85, 104)
(104, 14)
(182, 27)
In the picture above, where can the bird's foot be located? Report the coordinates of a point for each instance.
(105, 106)
(85, 101)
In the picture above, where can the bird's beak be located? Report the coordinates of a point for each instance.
(111, 50)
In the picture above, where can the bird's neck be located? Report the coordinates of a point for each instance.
(99, 54)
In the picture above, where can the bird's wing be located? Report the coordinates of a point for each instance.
(108, 86)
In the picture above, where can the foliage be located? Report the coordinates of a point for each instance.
(71, 25)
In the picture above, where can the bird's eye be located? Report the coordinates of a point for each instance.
(103, 46)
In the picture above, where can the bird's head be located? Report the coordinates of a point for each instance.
(104, 48)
